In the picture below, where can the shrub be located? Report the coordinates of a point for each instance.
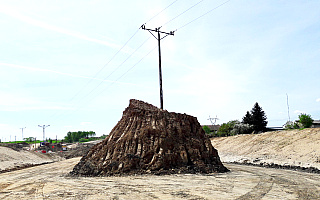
(292, 125)
(84, 140)
(305, 120)
(206, 129)
(241, 128)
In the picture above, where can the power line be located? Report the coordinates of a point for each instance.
(161, 11)
(140, 46)
(182, 13)
(113, 58)
(104, 66)
(120, 50)
(115, 69)
(203, 14)
(120, 76)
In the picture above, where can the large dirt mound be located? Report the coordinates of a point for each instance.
(150, 140)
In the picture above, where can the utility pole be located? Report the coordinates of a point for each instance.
(159, 38)
(22, 132)
(44, 127)
(288, 106)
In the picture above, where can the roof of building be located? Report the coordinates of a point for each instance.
(316, 122)
(212, 127)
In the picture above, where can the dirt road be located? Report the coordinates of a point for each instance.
(243, 182)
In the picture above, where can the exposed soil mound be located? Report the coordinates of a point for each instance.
(150, 140)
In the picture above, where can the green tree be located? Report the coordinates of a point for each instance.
(226, 128)
(256, 118)
(76, 136)
(29, 139)
(305, 120)
(247, 119)
(68, 137)
(206, 129)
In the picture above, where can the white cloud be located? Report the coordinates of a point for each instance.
(298, 111)
(318, 100)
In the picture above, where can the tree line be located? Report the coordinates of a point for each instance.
(78, 136)
(255, 121)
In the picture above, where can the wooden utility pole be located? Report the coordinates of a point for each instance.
(159, 38)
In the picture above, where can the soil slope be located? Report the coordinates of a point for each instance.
(286, 148)
(11, 159)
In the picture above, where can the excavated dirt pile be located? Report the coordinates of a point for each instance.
(150, 140)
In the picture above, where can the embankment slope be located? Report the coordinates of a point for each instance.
(14, 159)
(287, 148)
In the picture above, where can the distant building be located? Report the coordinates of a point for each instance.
(213, 128)
(316, 124)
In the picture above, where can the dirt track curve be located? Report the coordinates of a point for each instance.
(243, 182)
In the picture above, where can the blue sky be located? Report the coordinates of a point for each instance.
(72, 64)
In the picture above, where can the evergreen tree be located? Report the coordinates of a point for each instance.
(259, 119)
(256, 118)
(247, 118)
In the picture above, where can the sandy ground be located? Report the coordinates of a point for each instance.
(243, 182)
(10, 158)
(294, 147)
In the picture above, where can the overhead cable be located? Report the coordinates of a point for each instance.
(182, 13)
(104, 66)
(161, 11)
(121, 75)
(116, 68)
(203, 15)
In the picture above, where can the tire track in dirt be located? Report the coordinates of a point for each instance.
(243, 182)
(302, 188)
(260, 190)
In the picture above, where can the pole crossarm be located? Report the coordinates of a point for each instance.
(143, 27)
(157, 30)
